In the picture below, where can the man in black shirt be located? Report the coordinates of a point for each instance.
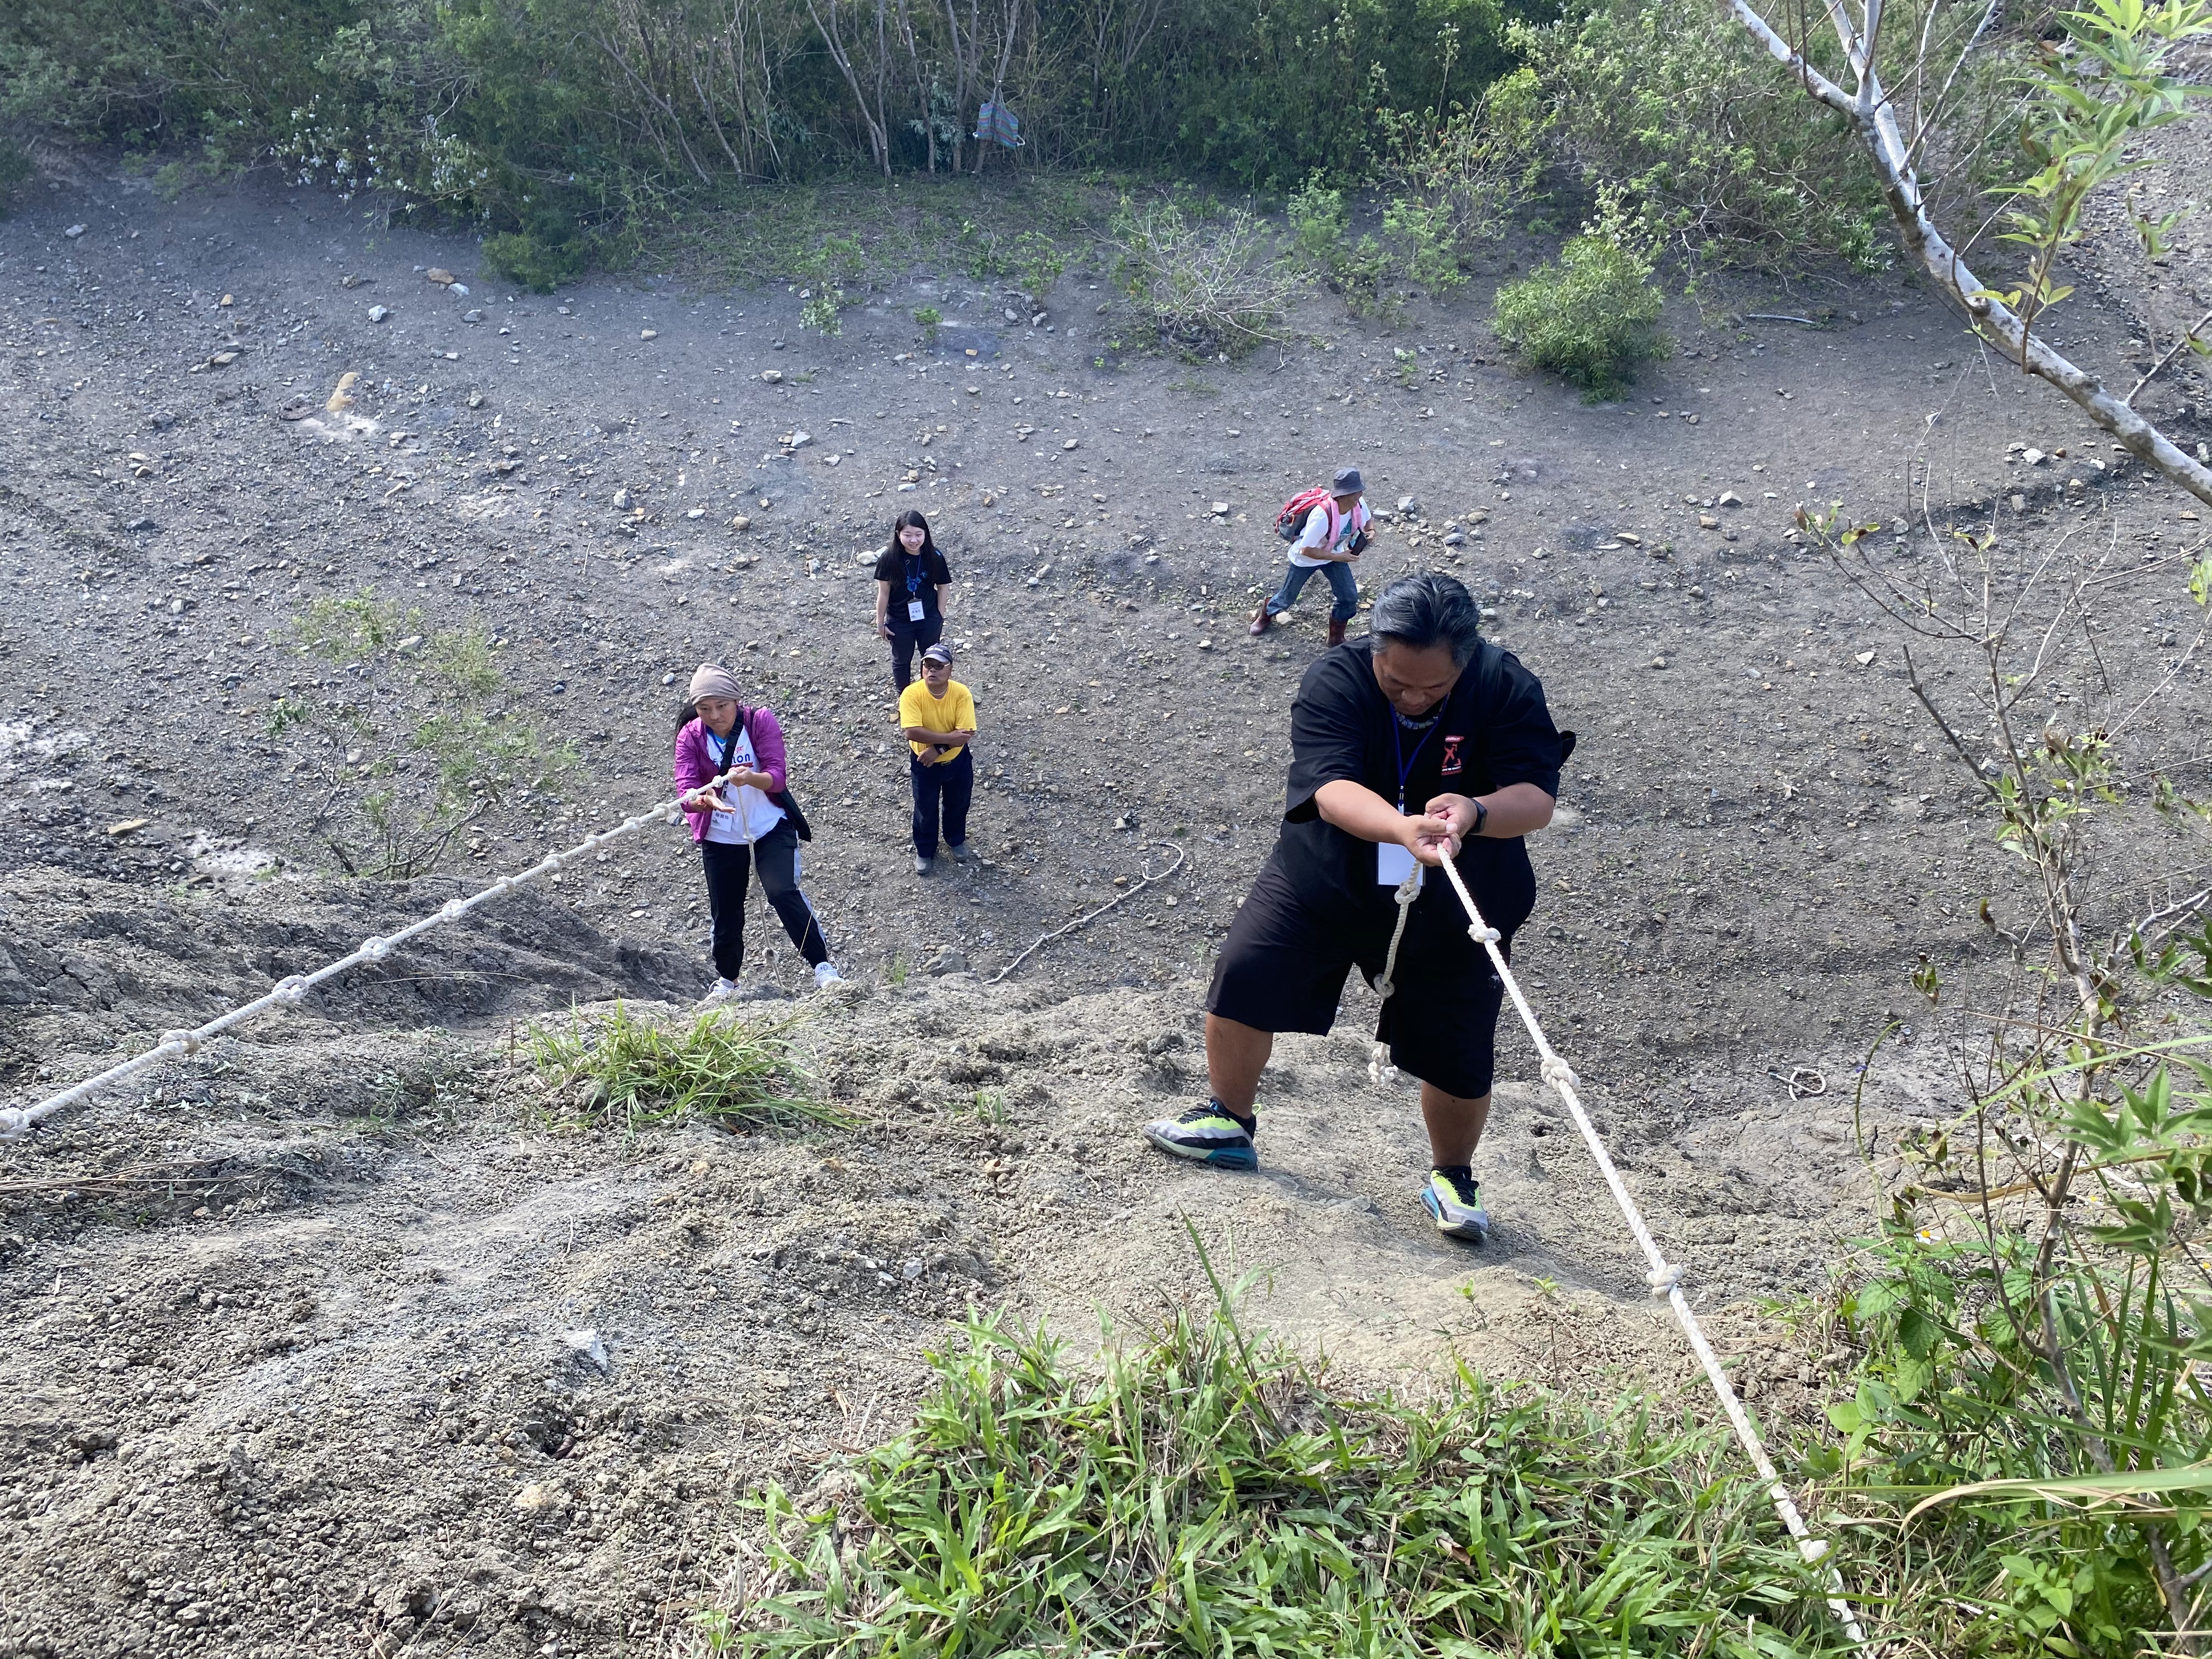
(1420, 742)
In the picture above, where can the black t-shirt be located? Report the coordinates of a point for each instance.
(912, 578)
(1493, 730)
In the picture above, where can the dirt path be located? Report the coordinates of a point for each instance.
(359, 1396)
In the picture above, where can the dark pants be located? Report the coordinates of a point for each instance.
(1341, 582)
(906, 638)
(729, 871)
(952, 784)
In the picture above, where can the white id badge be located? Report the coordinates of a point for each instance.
(1393, 864)
(725, 823)
(914, 611)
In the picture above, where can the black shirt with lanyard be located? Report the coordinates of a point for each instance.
(1493, 729)
(914, 579)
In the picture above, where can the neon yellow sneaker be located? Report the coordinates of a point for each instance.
(1206, 1134)
(1453, 1199)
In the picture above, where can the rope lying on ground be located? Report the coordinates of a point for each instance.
(1665, 1278)
(292, 990)
(1043, 939)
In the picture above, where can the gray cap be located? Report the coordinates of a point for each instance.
(937, 653)
(1347, 482)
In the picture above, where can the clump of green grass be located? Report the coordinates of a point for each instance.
(630, 1073)
(1191, 1496)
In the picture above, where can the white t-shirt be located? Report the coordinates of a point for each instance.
(1315, 534)
(759, 813)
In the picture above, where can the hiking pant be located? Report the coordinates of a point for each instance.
(1341, 582)
(951, 785)
(906, 636)
(729, 871)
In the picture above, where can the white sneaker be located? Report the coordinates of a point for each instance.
(826, 975)
(722, 991)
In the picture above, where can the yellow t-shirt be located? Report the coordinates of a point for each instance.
(953, 712)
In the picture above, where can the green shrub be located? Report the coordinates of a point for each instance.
(15, 170)
(1203, 289)
(429, 742)
(1671, 102)
(1592, 318)
(549, 253)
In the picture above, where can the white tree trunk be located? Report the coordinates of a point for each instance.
(1875, 121)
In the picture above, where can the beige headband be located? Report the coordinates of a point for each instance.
(711, 679)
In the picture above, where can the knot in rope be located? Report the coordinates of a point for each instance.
(1485, 935)
(453, 909)
(14, 1123)
(1664, 1281)
(375, 949)
(189, 1041)
(1559, 1075)
(291, 990)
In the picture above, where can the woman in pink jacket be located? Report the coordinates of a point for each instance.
(751, 816)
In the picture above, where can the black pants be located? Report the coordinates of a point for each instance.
(906, 637)
(950, 786)
(729, 871)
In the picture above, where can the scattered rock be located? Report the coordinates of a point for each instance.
(1730, 498)
(441, 277)
(74, 231)
(588, 1347)
(773, 376)
(1706, 522)
(649, 334)
(472, 315)
(800, 440)
(1070, 444)
(621, 496)
(741, 522)
(1409, 503)
(377, 313)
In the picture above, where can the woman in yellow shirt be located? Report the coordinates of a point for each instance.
(938, 714)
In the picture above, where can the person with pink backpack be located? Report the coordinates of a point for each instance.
(1327, 529)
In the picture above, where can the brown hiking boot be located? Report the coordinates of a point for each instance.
(1335, 631)
(1261, 619)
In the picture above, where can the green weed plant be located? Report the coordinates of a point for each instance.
(623, 1071)
(1197, 1494)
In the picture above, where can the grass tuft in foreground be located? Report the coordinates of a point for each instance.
(1191, 1496)
(629, 1073)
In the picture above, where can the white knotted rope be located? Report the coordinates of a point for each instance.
(1665, 1278)
(15, 1121)
(1380, 1071)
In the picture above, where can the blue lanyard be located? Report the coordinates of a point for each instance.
(917, 569)
(1397, 750)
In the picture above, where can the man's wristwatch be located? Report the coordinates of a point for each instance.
(1481, 816)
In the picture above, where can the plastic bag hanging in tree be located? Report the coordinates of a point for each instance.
(996, 123)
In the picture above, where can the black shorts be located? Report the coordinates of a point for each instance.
(1282, 969)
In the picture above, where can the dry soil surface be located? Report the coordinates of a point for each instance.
(333, 1338)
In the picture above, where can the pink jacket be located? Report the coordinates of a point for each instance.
(695, 748)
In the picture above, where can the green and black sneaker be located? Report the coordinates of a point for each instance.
(1207, 1134)
(1453, 1201)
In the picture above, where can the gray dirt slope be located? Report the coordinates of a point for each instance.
(335, 1338)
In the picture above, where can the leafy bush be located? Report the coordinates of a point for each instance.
(629, 1073)
(1714, 148)
(422, 746)
(2033, 1326)
(1591, 318)
(551, 253)
(1195, 1496)
(1203, 289)
(15, 170)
